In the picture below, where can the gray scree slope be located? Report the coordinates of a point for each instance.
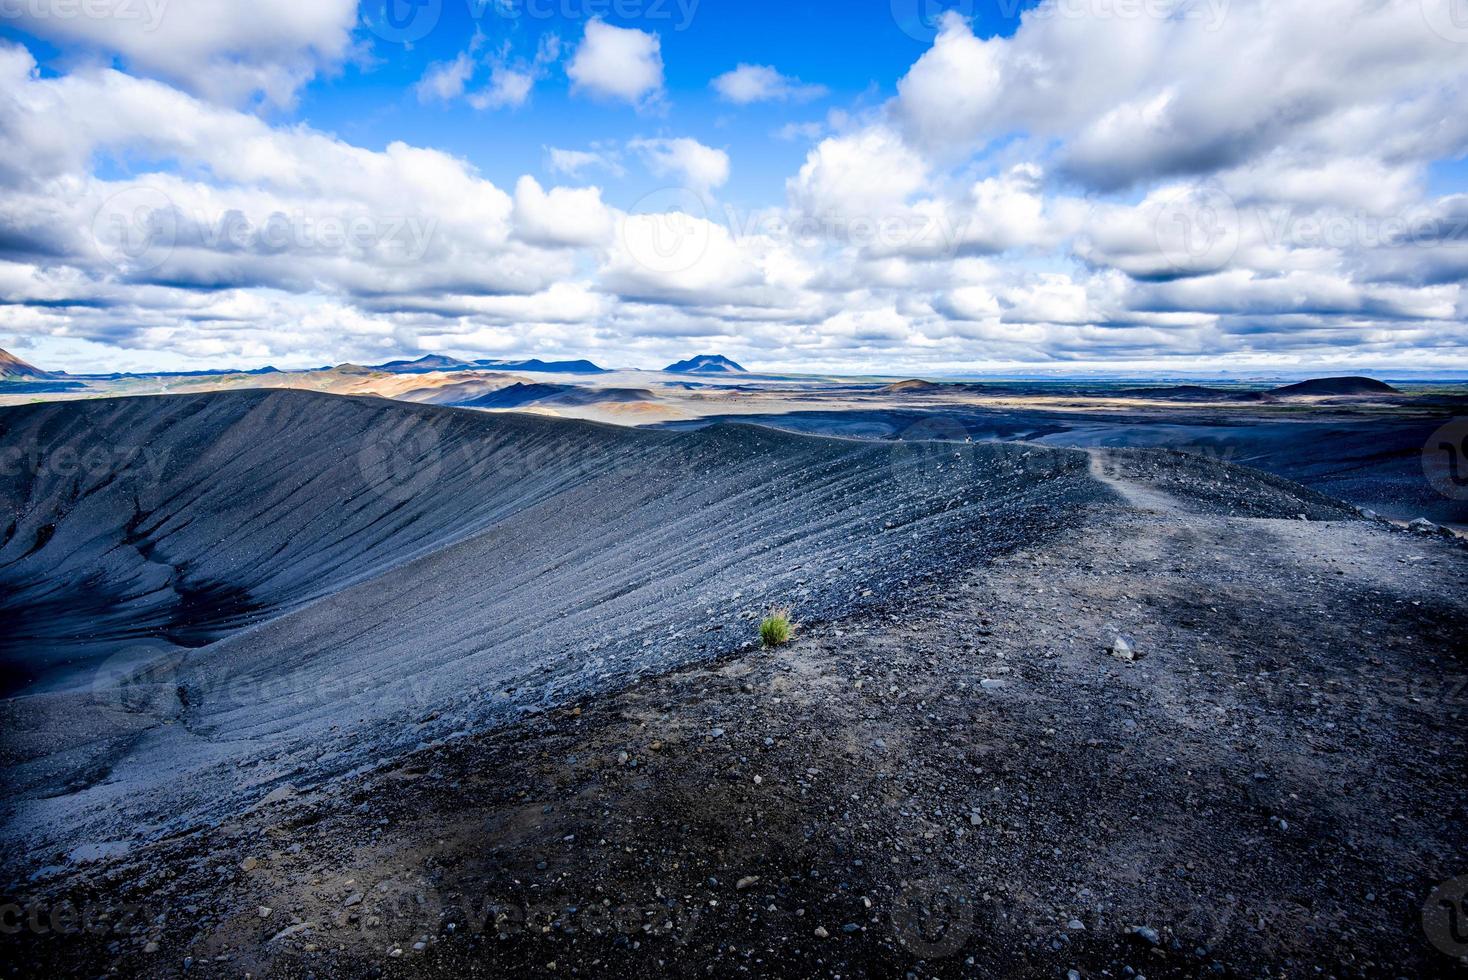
(246, 590)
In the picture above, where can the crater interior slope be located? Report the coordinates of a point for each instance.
(218, 595)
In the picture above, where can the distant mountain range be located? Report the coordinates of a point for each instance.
(429, 362)
(438, 362)
(13, 367)
(18, 373)
(698, 364)
(705, 364)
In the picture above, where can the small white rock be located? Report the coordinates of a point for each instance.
(1122, 649)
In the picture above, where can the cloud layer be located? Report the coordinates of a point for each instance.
(220, 49)
(761, 83)
(617, 63)
(1092, 191)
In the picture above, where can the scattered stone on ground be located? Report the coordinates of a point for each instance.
(1275, 796)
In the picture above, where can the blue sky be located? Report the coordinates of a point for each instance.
(857, 51)
(373, 103)
(877, 187)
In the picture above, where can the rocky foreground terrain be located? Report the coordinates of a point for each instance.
(1199, 722)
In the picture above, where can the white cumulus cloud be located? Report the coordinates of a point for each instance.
(561, 216)
(573, 163)
(617, 63)
(444, 81)
(762, 83)
(223, 50)
(698, 167)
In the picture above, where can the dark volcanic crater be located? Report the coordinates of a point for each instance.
(219, 595)
(486, 703)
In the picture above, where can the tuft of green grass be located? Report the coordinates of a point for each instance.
(775, 628)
